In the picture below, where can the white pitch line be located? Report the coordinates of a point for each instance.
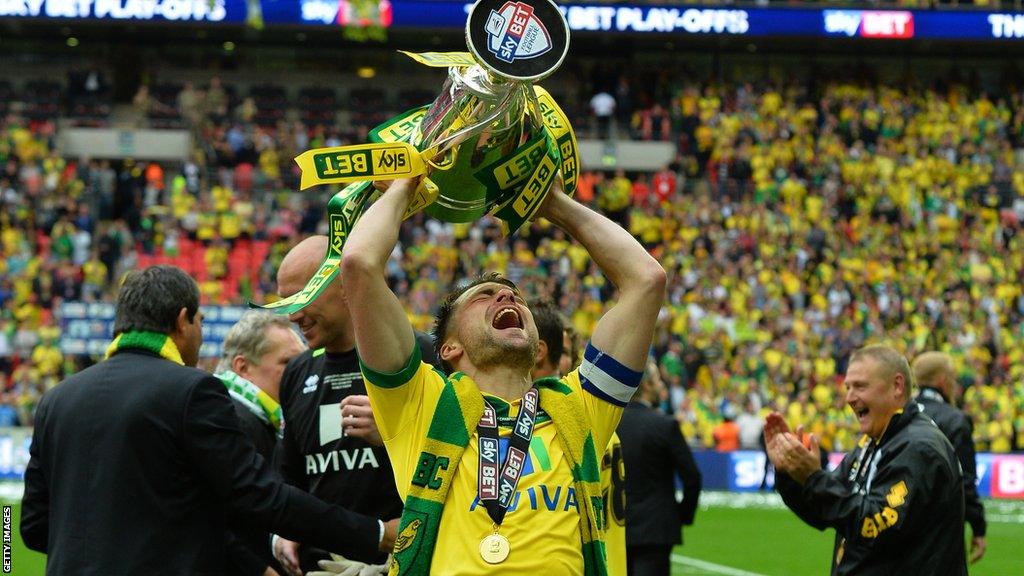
(711, 566)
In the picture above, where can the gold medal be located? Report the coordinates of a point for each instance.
(494, 549)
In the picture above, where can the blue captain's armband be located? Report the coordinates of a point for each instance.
(606, 378)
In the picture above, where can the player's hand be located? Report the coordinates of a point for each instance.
(774, 424)
(287, 553)
(341, 566)
(268, 571)
(387, 543)
(554, 196)
(357, 419)
(978, 545)
(404, 184)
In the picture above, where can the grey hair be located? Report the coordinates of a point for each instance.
(248, 337)
(890, 360)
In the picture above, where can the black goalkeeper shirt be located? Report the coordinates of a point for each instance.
(315, 455)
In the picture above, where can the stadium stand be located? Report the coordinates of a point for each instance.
(797, 222)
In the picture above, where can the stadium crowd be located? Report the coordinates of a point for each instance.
(795, 227)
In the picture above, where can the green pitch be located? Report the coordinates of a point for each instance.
(23, 560)
(749, 535)
(737, 535)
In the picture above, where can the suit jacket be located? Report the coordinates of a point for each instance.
(248, 547)
(655, 453)
(959, 430)
(135, 465)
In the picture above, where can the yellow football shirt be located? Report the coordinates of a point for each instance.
(613, 488)
(542, 523)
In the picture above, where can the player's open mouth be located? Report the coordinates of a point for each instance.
(507, 318)
(861, 412)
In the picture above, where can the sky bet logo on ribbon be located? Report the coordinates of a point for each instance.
(515, 33)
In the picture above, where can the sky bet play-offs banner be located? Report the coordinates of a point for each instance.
(999, 475)
(664, 19)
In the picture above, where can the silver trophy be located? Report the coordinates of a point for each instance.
(492, 141)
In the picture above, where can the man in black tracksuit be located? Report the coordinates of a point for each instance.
(934, 375)
(330, 445)
(896, 502)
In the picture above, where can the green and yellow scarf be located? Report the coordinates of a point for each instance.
(155, 342)
(257, 401)
(458, 411)
(253, 398)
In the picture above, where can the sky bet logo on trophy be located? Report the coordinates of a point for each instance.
(491, 142)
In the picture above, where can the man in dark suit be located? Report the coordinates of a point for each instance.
(256, 350)
(933, 372)
(136, 462)
(655, 454)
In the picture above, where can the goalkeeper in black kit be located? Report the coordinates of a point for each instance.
(330, 447)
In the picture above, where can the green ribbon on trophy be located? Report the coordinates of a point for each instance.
(491, 142)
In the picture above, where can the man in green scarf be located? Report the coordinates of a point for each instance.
(496, 470)
(137, 461)
(256, 351)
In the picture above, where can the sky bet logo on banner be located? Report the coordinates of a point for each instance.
(1003, 475)
(346, 12)
(515, 33)
(869, 23)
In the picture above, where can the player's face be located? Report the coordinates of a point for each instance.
(873, 395)
(496, 327)
(325, 321)
(283, 346)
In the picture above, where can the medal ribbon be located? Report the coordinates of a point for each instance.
(495, 486)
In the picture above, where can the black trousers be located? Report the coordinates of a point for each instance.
(648, 560)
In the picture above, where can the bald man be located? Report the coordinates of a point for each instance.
(331, 447)
(896, 502)
(934, 375)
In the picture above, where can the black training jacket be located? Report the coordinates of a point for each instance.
(897, 505)
(959, 430)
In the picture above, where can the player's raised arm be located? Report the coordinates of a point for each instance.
(384, 336)
(625, 331)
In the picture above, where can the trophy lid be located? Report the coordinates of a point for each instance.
(523, 40)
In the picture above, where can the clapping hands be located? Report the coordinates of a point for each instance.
(790, 452)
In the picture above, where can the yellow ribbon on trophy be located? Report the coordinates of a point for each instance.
(346, 164)
(558, 123)
(442, 59)
(343, 211)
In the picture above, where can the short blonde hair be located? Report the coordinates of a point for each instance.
(890, 360)
(930, 366)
